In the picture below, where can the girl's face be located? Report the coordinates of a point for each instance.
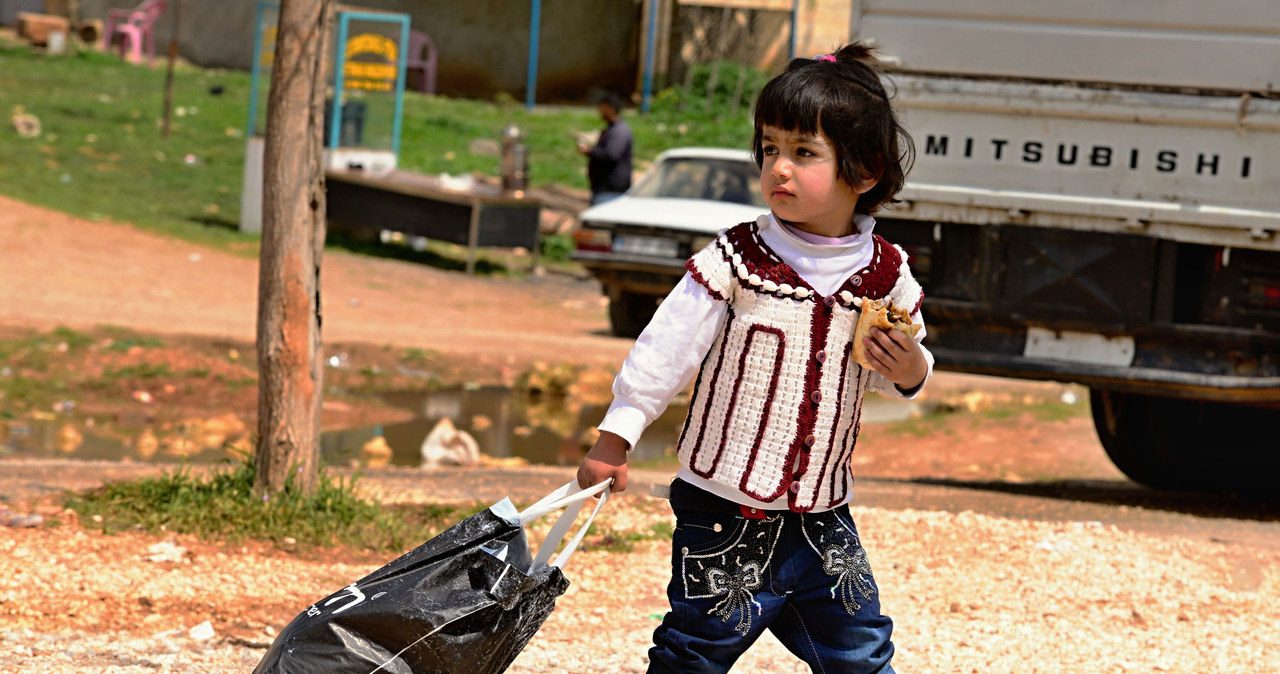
(799, 179)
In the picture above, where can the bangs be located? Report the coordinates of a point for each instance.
(793, 103)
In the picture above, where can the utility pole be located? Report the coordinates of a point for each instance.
(168, 75)
(290, 360)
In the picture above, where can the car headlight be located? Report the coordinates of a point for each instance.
(593, 238)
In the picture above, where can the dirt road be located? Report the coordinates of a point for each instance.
(1001, 543)
(59, 270)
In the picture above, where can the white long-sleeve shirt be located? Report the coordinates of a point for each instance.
(671, 348)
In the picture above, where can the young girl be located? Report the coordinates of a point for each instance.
(765, 317)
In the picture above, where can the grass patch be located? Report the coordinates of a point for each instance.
(126, 343)
(223, 506)
(557, 247)
(418, 357)
(611, 540)
(924, 425)
(75, 340)
(25, 364)
(235, 384)
(101, 154)
(938, 420)
(19, 393)
(31, 350)
(139, 371)
(1059, 411)
(60, 369)
(1044, 412)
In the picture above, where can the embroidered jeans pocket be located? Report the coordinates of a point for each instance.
(727, 566)
(713, 555)
(833, 536)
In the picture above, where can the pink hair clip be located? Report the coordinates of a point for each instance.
(825, 57)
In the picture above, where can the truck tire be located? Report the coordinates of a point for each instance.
(1188, 445)
(629, 313)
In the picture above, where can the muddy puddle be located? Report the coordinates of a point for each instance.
(505, 424)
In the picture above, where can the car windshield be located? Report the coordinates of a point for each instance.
(736, 182)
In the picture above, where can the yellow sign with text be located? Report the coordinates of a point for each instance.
(268, 57)
(380, 65)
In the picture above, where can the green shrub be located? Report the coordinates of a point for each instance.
(719, 90)
(223, 505)
(557, 247)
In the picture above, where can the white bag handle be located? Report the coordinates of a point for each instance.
(564, 496)
(570, 497)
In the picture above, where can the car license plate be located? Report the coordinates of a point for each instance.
(1079, 347)
(629, 244)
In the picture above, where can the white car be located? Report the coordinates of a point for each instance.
(637, 244)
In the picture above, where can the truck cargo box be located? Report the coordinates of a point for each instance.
(1225, 45)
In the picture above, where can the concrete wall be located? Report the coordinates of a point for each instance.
(9, 10)
(824, 25)
(483, 45)
(213, 34)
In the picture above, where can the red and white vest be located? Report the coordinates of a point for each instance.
(777, 402)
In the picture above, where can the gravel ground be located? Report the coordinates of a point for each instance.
(968, 592)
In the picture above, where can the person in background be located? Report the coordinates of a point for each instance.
(609, 161)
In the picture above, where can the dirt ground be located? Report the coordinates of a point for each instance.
(1015, 587)
(60, 270)
(202, 305)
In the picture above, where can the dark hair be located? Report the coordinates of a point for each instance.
(611, 99)
(846, 100)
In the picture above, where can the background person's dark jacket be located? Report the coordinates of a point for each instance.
(609, 162)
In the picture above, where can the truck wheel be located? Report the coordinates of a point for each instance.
(630, 312)
(1188, 445)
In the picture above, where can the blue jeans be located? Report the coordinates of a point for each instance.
(804, 577)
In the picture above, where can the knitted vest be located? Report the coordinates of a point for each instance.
(777, 401)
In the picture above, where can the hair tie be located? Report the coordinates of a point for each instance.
(825, 57)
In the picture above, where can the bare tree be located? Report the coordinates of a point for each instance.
(290, 360)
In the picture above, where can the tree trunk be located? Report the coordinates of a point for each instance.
(290, 361)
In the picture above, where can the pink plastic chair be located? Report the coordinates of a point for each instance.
(420, 66)
(135, 26)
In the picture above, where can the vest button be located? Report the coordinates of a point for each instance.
(820, 356)
(795, 487)
(856, 281)
(809, 440)
(816, 397)
(829, 301)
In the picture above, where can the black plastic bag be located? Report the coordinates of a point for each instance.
(466, 601)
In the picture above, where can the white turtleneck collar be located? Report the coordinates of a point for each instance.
(825, 263)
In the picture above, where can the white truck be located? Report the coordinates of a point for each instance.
(1096, 199)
